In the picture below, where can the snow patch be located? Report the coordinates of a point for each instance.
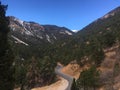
(28, 33)
(75, 31)
(48, 38)
(66, 32)
(62, 32)
(20, 21)
(54, 36)
(39, 36)
(69, 33)
(13, 29)
(18, 40)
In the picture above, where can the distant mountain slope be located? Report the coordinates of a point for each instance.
(31, 32)
(91, 40)
(33, 45)
(109, 23)
(86, 47)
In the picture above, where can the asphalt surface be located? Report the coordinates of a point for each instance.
(65, 76)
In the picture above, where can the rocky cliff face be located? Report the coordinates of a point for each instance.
(31, 32)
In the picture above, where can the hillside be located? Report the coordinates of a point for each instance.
(88, 47)
(100, 34)
(34, 33)
(109, 77)
(106, 25)
(33, 44)
(95, 47)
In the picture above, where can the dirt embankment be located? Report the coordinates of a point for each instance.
(71, 69)
(110, 82)
(110, 69)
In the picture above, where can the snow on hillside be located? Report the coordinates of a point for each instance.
(18, 40)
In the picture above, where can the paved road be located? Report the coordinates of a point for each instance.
(65, 76)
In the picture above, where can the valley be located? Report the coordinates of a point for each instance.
(94, 50)
(50, 57)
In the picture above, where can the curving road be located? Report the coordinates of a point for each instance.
(65, 76)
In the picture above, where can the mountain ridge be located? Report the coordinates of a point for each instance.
(86, 47)
(33, 30)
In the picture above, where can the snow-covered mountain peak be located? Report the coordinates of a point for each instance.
(34, 32)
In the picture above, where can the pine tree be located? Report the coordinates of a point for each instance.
(74, 86)
(6, 55)
(89, 79)
(33, 75)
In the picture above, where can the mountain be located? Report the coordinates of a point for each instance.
(75, 31)
(97, 44)
(92, 40)
(34, 33)
(109, 23)
(111, 13)
(34, 46)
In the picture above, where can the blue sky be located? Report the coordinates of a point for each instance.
(73, 14)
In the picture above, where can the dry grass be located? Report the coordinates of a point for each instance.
(109, 81)
(61, 84)
(72, 70)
